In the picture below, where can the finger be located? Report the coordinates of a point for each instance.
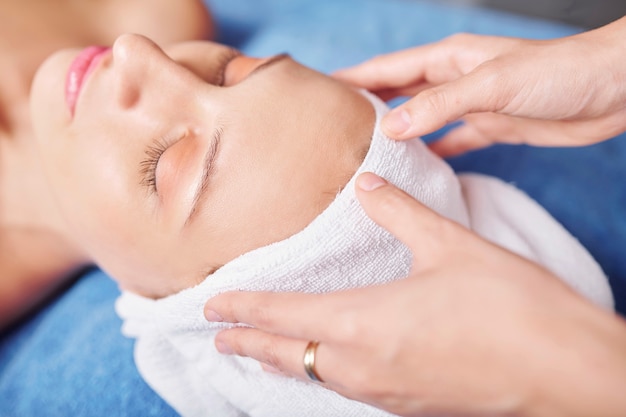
(414, 224)
(462, 139)
(484, 129)
(295, 315)
(479, 91)
(394, 70)
(391, 93)
(284, 354)
(435, 63)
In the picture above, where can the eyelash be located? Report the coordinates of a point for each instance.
(156, 150)
(225, 60)
(149, 165)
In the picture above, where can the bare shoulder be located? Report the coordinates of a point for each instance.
(33, 264)
(164, 21)
(69, 23)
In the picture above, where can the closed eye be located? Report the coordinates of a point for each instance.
(154, 151)
(225, 59)
(149, 165)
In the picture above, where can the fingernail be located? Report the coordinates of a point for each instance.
(223, 348)
(397, 122)
(211, 315)
(270, 369)
(370, 182)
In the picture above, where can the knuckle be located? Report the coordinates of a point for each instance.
(435, 100)
(348, 327)
(490, 75)
(234, 340)
(492, 80)
(364, 381)
(440, 230)
(458, 38)
(392, 204)
(379, 59)
(459, 41)
(261, 312)
(378, 67)
(374, 65)
(360, 380)
(269, 353)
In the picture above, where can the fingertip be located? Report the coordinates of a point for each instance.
(408, 219)
(369, 181)
(212, 315)
(341, 73)
(386, 205)
(460, 140)
(396, 123)
(271, 369)
(379, 198)
(353, 74)
(223, 347)
(211, 308)
(442, 148)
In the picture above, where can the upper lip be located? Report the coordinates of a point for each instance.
(82, 66)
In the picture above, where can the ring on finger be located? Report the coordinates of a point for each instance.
(309, 361)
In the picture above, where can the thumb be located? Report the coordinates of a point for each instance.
(435, 107)
(414, 224)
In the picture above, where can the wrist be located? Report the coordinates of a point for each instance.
(609, 42)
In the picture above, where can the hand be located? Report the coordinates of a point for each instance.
(473, 329)
(563, 92)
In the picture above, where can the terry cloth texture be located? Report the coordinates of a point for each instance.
(342, 248)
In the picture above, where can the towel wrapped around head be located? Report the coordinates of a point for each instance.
(341, 249)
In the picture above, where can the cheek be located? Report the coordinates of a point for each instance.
(90, 180)
(112, 216)
(107, 220)
(261, 195)
(88, 190)
(49, 113)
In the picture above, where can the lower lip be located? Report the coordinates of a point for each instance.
(83, 65)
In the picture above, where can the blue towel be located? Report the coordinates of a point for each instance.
(70, 359)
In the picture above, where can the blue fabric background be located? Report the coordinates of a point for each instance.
(70, 359)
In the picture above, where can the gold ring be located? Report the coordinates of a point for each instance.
(309, 361)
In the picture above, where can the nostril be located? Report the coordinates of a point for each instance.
(131, 61)
(127, 94)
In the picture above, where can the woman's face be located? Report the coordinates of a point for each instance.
(172, 163)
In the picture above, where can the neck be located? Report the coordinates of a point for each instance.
(26, 201)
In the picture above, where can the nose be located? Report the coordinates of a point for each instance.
(138, 63)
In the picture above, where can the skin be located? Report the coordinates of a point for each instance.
(36, 255)
(271, 175)
(475, 330)
(563, 92)
(447, 340)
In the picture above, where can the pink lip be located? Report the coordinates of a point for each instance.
(81, 67)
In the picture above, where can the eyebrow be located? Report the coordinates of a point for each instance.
(209, 167)
(209, 159)
(273, 60)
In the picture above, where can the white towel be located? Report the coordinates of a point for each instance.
(342, 248)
